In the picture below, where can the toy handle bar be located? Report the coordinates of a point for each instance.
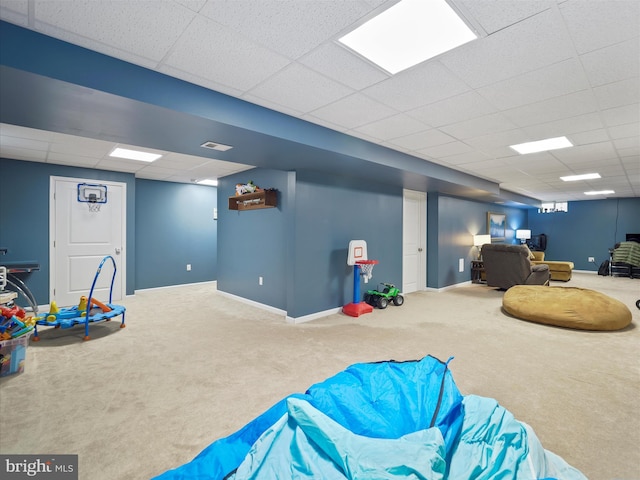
(95, 279)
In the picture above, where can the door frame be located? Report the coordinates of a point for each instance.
(421, 283)
(52, 230)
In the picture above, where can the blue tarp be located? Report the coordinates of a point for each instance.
(386, 420)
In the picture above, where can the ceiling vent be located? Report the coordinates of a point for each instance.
(216, 146)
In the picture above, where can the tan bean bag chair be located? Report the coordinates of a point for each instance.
(566, 307)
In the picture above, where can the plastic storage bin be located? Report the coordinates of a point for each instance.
(13, 355)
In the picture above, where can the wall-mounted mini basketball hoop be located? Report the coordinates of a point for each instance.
(93, 194)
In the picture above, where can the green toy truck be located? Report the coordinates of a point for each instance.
(380, 299)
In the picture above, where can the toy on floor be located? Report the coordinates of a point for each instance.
(14, 323)
(86, 312)
(381, 298)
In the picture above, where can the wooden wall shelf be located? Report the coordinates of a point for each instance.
(253, 201)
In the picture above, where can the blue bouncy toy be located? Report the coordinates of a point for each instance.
(89, 310)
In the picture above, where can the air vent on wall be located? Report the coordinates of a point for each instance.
(216, 146)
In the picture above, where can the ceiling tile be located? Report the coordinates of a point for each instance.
(392, 127)
(555, 111)
(597, 24)
(610, 64)
(423, 139)
(21, 153)
(301, 89)
(563, 126)
(454, 109)
(531, 44)
(622, 115)
(495, 16)
(15, 11)
(343, 66)
(353, 111)
(585, 153)
(210, 50)
(626, 130)
(127, 26)
(475, 127)
(619, 93)
(270, 22)
(446, 150)
(548, 82)
(426, 83)
(71, 159)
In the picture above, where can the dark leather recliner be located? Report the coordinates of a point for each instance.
(509, 265)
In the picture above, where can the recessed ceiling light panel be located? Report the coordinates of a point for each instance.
(542, 145)
(600, 192)
(584, 176)
(208, 181)
(409, 33)
(134, 155)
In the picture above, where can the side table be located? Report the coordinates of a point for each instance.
(477, 269)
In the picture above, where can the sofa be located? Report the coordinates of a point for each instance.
(559, 270)
(625, 260)
(508, 265)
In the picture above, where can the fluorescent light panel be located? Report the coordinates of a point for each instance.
(409, 33)
(542, 145)
(584, 176)
(600, 192)
(208, 181)
(134, 155)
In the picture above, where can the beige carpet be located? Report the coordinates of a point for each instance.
(193, 366)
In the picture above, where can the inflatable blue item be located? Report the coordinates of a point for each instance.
(380, 400)
(374, 421)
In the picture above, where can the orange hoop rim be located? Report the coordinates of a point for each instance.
(367, 262)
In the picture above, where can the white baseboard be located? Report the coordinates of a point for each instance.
(253, 303)
(213, 282)
(448, 287)
(313, 316)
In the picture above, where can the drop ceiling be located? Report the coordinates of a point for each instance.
(540, 68)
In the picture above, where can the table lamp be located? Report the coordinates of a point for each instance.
(523, 235)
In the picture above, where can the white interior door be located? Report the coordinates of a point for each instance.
(82, 238)
(414, 234)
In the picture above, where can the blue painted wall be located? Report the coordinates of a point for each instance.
(451, 222)
(329, 212)
(174, 227)
(24, 216)
(589, 229)
(300, 247)
(254, 243)
(168, 225)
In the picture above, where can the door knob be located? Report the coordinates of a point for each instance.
(420, 249)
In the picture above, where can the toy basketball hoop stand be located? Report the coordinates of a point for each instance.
(362, 267)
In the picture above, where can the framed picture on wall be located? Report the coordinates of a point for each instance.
(496, 226)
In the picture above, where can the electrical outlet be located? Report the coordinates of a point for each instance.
(259, 280)
(592, 260)
(188, 267)
(461, 265)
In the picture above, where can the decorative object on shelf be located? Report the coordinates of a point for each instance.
(497, 226)
(244, 188)
(478, 241)
(523, 235)
(251, 201)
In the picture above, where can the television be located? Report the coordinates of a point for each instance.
(633, 237)
(538, 242)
